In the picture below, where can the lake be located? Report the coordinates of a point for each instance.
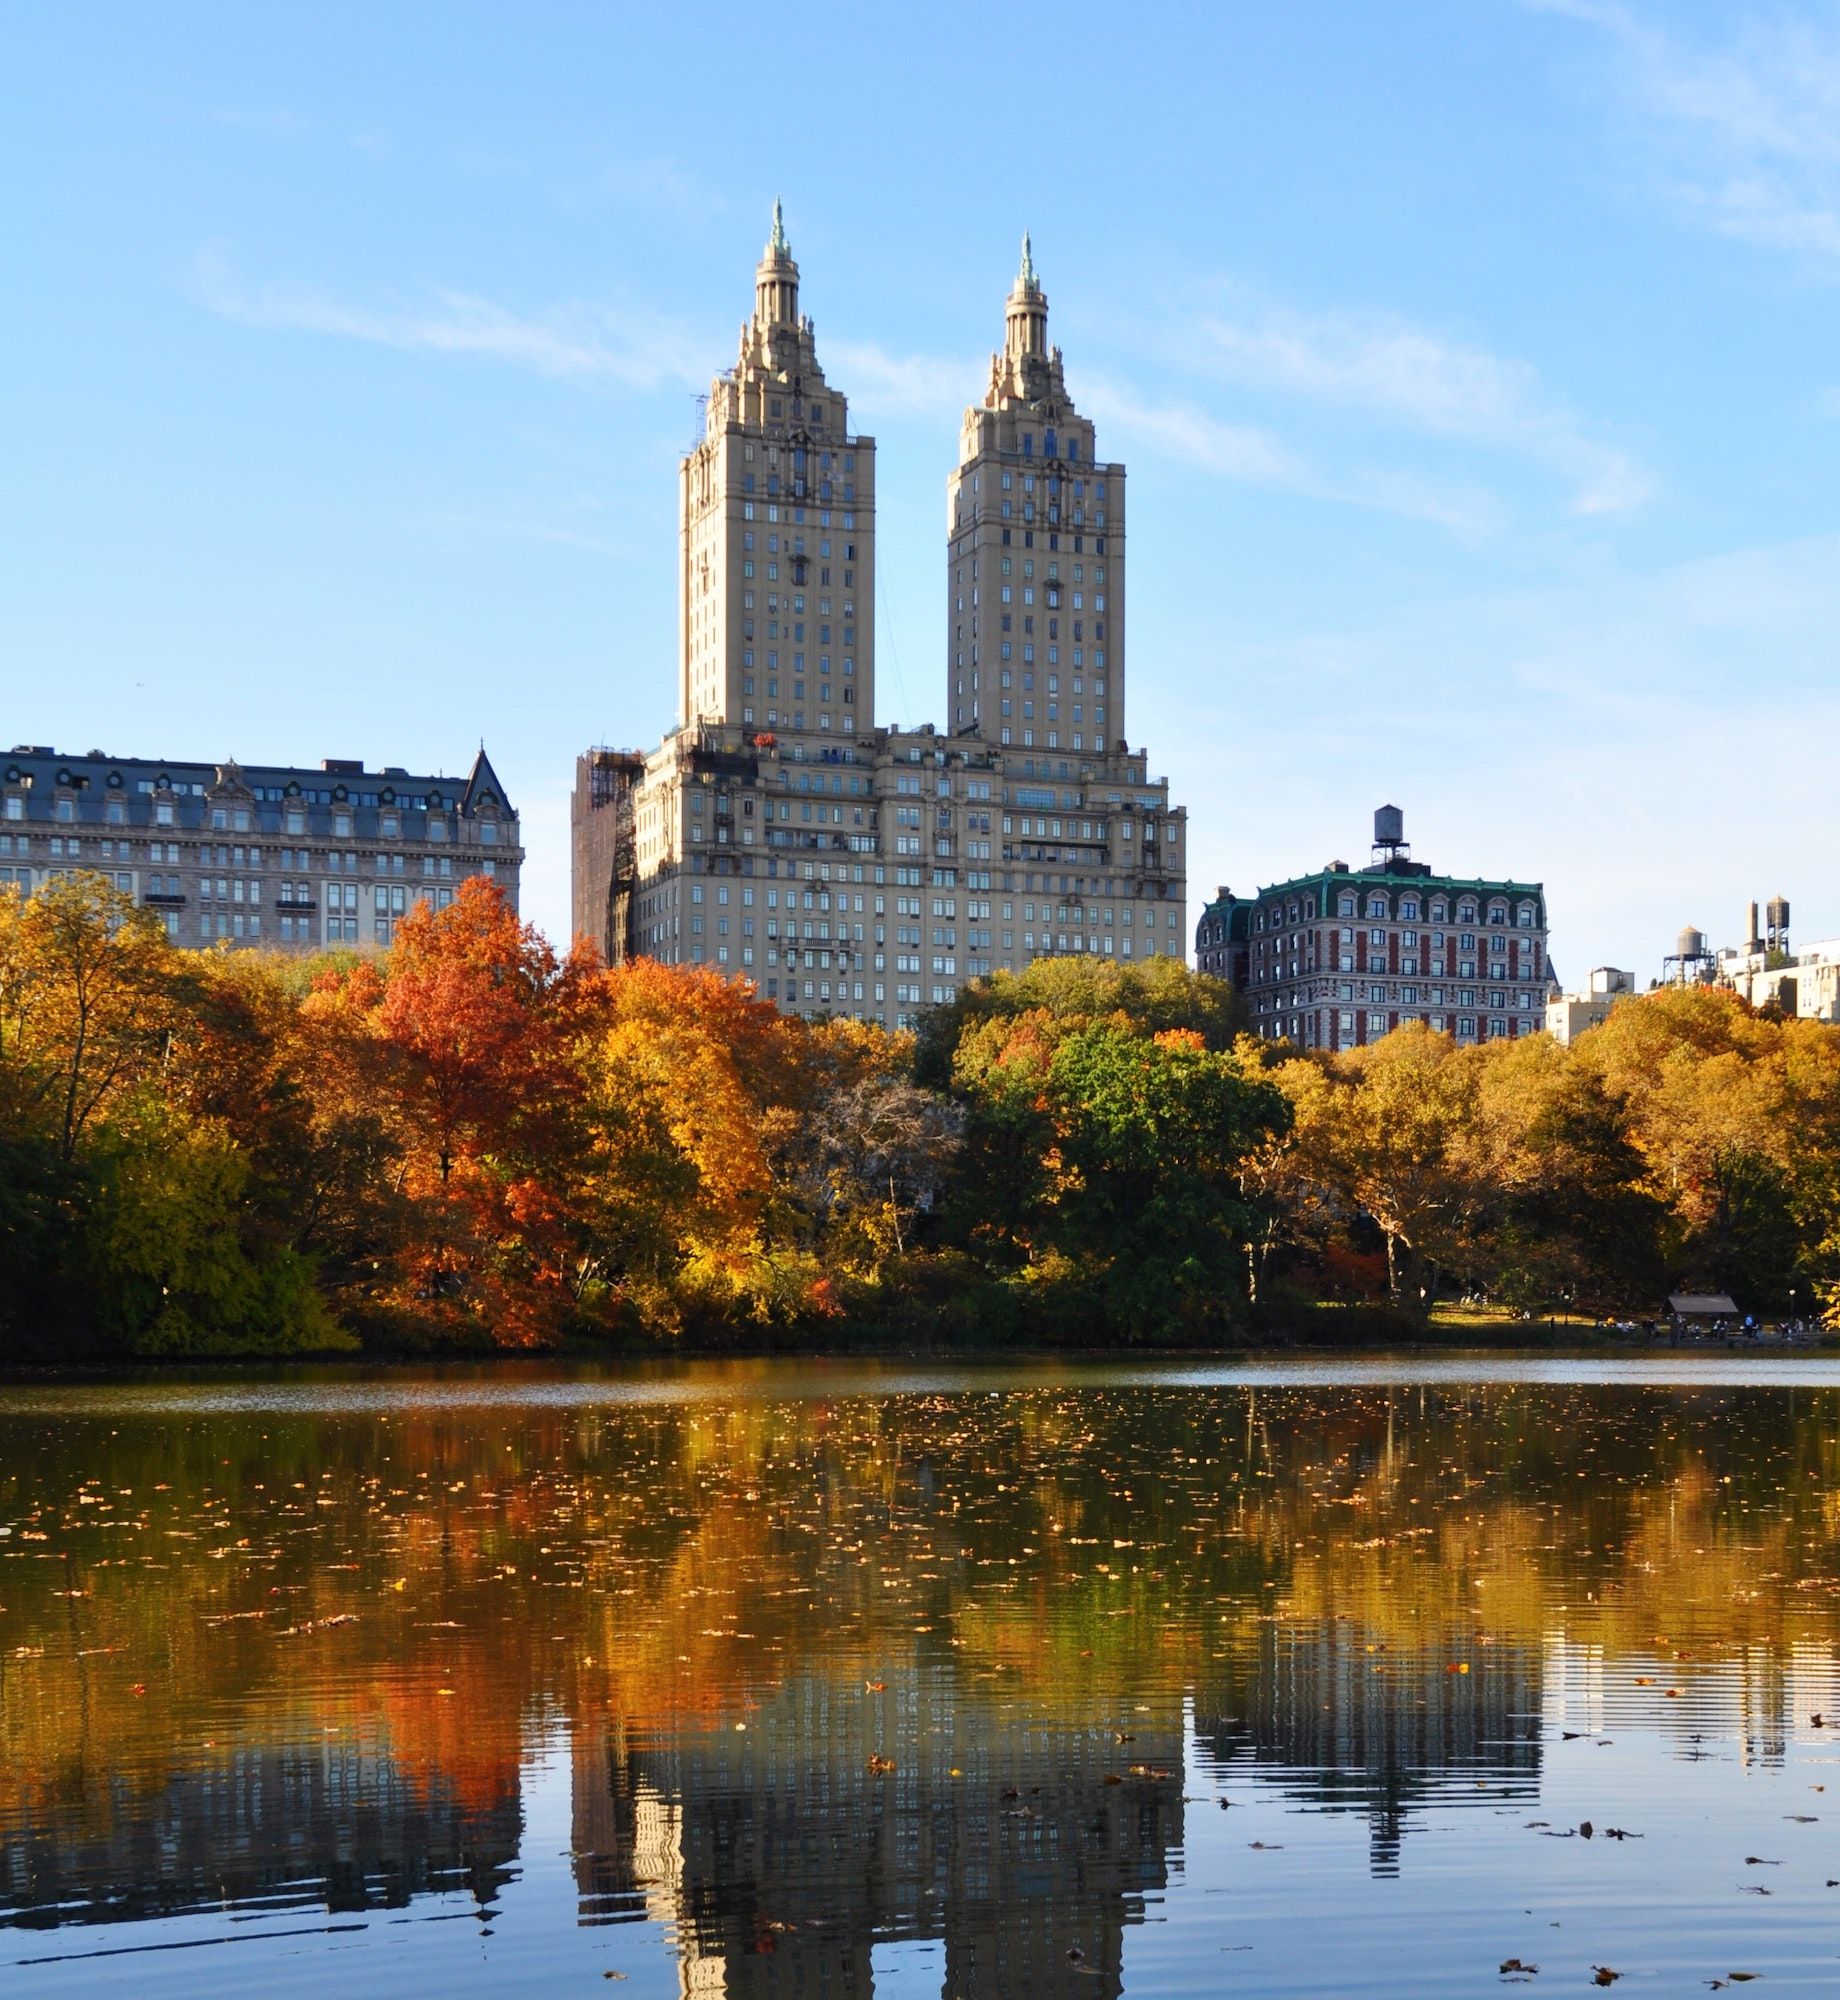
(1353, 1677)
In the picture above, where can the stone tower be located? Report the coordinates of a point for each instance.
(776, 627)
(1034, 555)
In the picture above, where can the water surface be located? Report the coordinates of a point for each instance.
(835, 1679)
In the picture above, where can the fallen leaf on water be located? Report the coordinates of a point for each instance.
(1603, 1976)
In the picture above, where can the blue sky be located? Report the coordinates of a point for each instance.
(1476, 363)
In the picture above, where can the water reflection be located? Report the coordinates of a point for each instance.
(971, 1669)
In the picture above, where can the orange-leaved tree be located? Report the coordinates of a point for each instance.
(475, 1018)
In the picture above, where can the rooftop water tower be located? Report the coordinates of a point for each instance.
(1390, 836)
(1776, 924)
(1690, 960)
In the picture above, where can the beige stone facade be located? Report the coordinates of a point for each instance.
(779, 834)
(1035, 555)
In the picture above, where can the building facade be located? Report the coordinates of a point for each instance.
(1034, 554)
(1569, 1015)
(1767, 970)
(284, 857)
(780, 834)
(1341, 957)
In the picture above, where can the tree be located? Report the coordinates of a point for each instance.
(1565, 1212)
(882, 1150)
(1152, 995)
(1151, 1134)
(1737, 1121)
(1391, 1137)
(85, 1001)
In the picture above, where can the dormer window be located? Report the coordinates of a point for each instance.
(66, 810)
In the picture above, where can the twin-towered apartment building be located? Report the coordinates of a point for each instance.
(780, 833)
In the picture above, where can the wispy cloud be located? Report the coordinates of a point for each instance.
(581, 342)
(1747, 130)
(1255, 457)
(1637, 699)
(1392, 370)
(928, 384)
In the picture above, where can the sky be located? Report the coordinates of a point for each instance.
(1476, 364)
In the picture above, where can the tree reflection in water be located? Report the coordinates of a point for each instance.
(836, 1674)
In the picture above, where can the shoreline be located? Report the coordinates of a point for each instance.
(1563, 1341)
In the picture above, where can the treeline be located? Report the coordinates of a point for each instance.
(476, 1143)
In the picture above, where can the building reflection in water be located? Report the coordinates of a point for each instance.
(1328, 1719)
(782, 1856)
(338, 1827)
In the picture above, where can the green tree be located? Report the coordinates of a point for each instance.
(1151, 1134)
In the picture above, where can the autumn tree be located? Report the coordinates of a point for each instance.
(1151, 994)
(473, 1018)
(1391, 1138)
(85, 1001)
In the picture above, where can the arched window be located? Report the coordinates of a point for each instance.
(1376, 905)
(1439, 910)
(1526, 916)
(1408, 908)
(1466, 913)
(1345, 907)
(1498, 913)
